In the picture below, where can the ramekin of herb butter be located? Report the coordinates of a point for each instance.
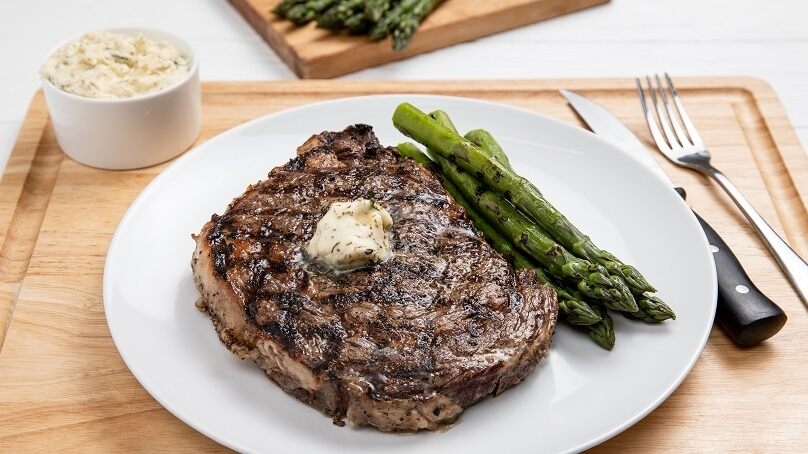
(123, 98)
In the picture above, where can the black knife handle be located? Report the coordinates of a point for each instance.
(744, 312)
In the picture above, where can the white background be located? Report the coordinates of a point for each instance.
(766, 39)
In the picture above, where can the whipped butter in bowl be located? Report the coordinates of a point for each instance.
(123, 98)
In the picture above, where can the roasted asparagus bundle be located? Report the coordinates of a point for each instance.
(529, 231)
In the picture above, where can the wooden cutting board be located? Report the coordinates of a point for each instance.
(64, 386)
(315, 53)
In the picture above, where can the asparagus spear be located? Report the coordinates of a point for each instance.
(409, 22)
(358, 23)
(410, 150)
(282, 8)
(602, 332)
(486, 142)
(330, 18)
(575, 310)
(303, 13)
(334, 17)
(651, 309)
(416, 124)
(375, 9)
(479, 137)
(444, 120)
(570, 302)
(388, 22)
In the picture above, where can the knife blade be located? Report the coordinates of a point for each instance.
(743, 312)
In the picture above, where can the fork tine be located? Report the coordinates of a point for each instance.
(662, 115)
(681, 135)
(656, 134)
(680, 107)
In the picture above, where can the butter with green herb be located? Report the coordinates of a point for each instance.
(352, 235)
(113, 65)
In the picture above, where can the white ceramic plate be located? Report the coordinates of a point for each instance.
(579, 396)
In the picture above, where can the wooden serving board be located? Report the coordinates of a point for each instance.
(64, 386)
(315, 53)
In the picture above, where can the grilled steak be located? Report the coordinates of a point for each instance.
(406, 344)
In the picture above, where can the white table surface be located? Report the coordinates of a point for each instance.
(765, 39)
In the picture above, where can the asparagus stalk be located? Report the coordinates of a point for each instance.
(480, 137)
(488, 143)
(305, 12)
(576, 311)
(410, 150)
(334, 17)
(651, 309)
(602, 332)
(358, 23)
(375, 9)
(330, 19)
(416, 124)
(444, 120)
(383, 27)
(282, 8)
(408, 23)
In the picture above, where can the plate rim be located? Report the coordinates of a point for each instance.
(189, 154)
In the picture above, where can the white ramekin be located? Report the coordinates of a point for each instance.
(129, 133)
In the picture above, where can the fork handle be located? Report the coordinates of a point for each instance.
(792, 264)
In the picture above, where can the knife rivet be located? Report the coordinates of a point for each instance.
(713, 249)
(741, 289)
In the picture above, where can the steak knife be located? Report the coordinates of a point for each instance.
(743, 312)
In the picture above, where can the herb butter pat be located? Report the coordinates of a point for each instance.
(352, 235)
(114, 65)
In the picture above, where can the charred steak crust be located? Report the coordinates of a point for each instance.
(403, 345)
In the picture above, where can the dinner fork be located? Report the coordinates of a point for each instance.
(681, 143)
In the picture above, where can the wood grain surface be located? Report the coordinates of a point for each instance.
(63, 385)
(314, 53)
